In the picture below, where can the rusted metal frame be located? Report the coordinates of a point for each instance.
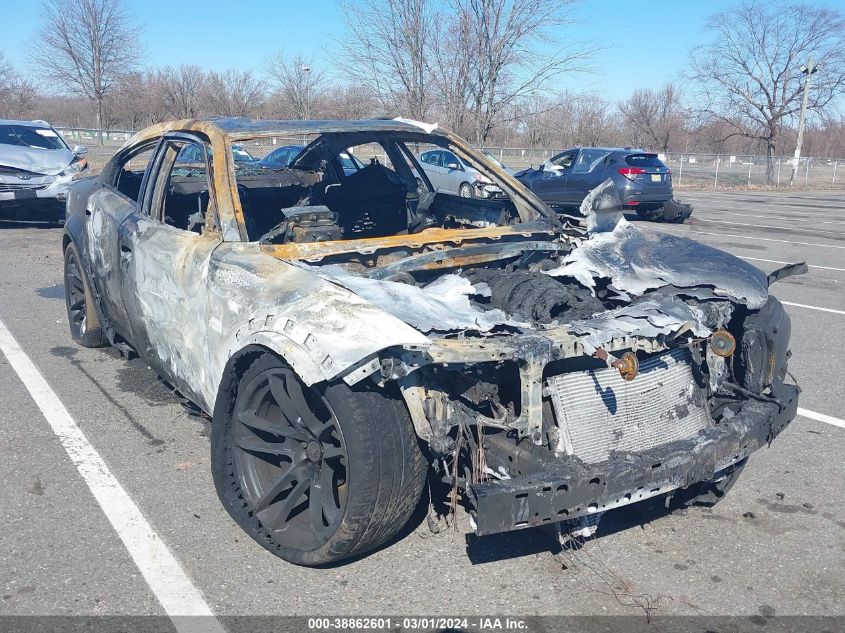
(367, 246)
(469, 255)
(229, 211)
(211, 220)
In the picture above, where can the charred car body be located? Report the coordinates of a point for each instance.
(350, 333)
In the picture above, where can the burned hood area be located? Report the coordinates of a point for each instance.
(570, 372)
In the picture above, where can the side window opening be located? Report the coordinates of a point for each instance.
(129, 174)
(180, 196)
(588, 160)
(564, 161)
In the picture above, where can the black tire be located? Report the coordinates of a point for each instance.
(465, 190)
(82, 316)
(650, 215)
(677, 220)
(709, 493)
(366, 480)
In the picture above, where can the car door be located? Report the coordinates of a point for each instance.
(430, 163)
(453, 172)
(551, 184)
(165, 246)
(118, 196)
(585, 174)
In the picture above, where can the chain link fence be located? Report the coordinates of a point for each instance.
(690, 170)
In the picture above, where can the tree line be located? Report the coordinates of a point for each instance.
(487, 69)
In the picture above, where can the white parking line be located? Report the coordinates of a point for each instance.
(821, 417)
(775, 261)
(749, 237)
(178, 596)
(761, 226)
(729, 211)
(802, 305)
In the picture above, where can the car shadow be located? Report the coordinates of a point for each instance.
(533, 541)
(6, 224)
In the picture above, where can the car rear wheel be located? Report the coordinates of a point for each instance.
(81, 314)
(314, 474)
(465, 190)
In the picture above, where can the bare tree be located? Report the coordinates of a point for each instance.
(504, 45)
(750, 73)
(232, 93)
(181, 90)
(17, 95)
(299, 85)
(85, 46)
(349, 102)
(453, 75)
(654, 117)
(386, 49)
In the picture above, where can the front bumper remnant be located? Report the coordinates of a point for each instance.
(567, 488)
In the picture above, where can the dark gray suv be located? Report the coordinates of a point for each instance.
(643, 181)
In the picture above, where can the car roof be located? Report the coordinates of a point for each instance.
(239, 126)
(625, 150)
(24, 123)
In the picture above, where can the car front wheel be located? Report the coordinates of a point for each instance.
(465, 190)
(314, 474)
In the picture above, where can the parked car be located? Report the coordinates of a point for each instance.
(347, 334)
(191, 154)
(280, 157)
(643, 181)
(283, 157)
(450, 174)
(36, 167)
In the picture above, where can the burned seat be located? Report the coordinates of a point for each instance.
(369, 203)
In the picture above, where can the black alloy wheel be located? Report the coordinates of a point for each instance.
(291, 459)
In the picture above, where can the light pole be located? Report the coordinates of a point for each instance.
(808, 70)
(307, 104)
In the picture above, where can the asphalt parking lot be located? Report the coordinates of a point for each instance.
(774, 546)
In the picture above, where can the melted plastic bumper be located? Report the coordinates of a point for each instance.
(566, 488)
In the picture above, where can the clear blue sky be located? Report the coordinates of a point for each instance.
(645, 43)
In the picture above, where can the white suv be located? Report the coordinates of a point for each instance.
(36, 165)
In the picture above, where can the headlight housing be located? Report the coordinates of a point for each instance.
(763, 347)
(76, 166)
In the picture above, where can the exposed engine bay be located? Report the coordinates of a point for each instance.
(574, 354)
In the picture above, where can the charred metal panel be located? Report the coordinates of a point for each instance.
(636, 260)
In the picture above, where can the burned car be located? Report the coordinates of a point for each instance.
(351, 334)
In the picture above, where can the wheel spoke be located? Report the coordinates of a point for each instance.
(263, 447)
(330, 451)
(256, 423)
(321, 502)
(296, 471)
(278, 513)
(330, 508)
(77, 284)
(291, 400)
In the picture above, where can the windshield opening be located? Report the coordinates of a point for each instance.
(358, 185)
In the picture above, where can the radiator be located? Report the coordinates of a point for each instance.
(598, 412)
